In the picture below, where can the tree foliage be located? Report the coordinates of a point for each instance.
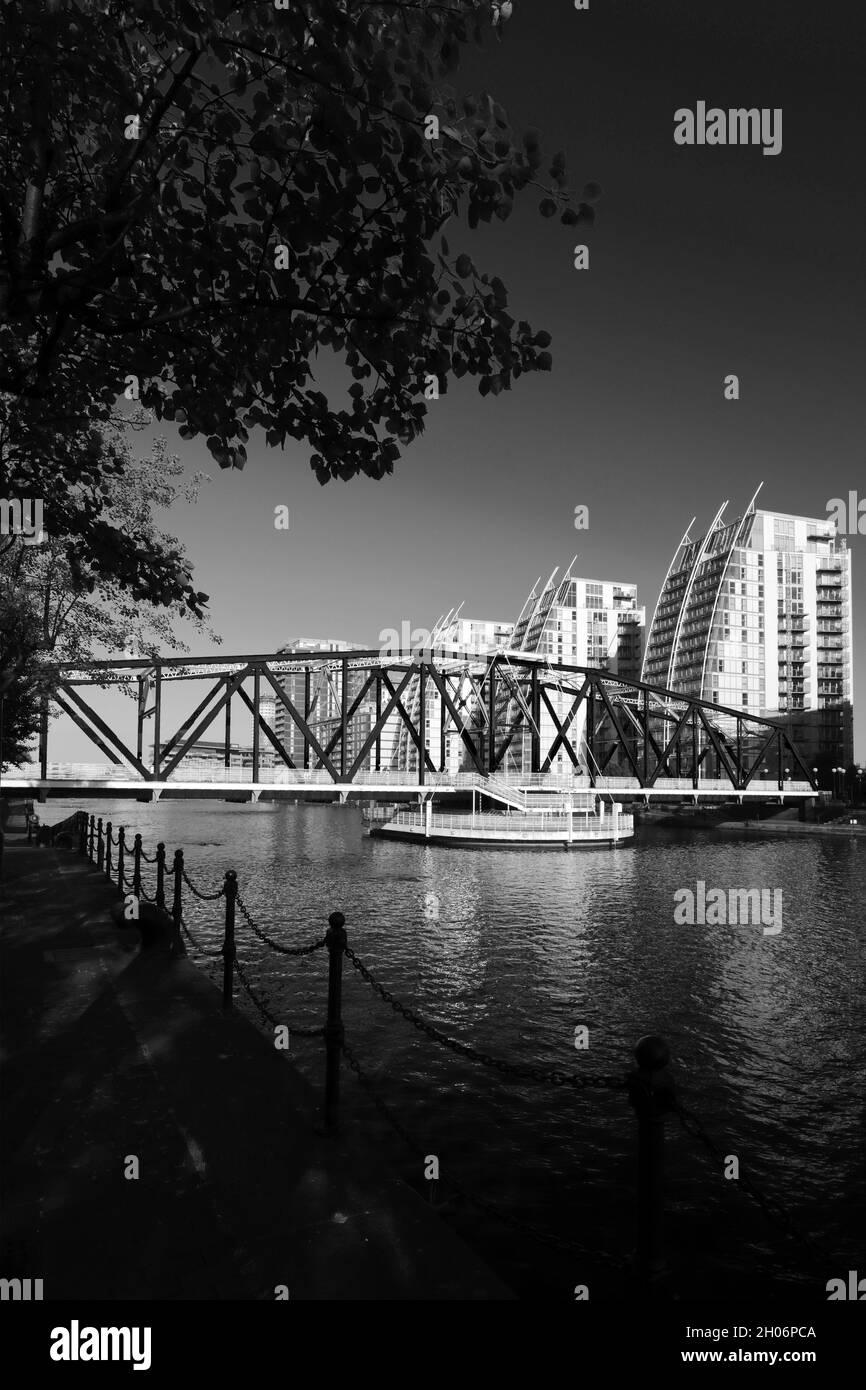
(24, 683)
(57, 608)
(255, 127)
(85, 477)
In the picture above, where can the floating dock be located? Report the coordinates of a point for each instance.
(556, 824)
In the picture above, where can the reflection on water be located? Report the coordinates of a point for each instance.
(768, 1032)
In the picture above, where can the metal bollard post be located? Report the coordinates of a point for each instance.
(177, 947)
(160, 875)
(100, 845)
(136, 866)
(121, 846)
(90, 842)
(336, 940)
(652, 1096)
(108, 849)
(230, 890)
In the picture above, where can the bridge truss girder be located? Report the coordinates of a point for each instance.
(341, 705)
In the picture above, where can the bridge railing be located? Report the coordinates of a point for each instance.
(647, 1086)
(194, 774)
(551, 823)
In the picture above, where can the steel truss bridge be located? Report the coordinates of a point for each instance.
(422, 723)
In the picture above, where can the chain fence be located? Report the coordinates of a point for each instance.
(552, 1076)
(197, 893)
(775, 1211)
(777, 1214)
(269, 941)
(266, 1012)
(525, 1228)
(197, 947)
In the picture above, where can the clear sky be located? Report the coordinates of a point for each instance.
(704, 261)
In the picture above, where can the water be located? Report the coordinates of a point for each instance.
(768, 1033)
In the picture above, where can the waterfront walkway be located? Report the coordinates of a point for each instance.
(111, 1053)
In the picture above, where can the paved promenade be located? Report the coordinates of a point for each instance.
(110, 1052)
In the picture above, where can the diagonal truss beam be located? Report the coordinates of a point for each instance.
(346, 715)
(266, 729)
(302, 725)
(732, 771)
(563, 728)
(759, 759)
(640, 716)
(669, 747)
(185, 727)
(459, 724)
(107, 733)
(231, 686)
(797, 758)
(599, 686)
(648, 727)
(401, 710)
(524, 712)
(91, 733)
(377, 728)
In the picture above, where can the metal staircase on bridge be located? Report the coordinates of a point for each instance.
(521, 799)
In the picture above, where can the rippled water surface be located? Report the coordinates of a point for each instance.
(768, 1033)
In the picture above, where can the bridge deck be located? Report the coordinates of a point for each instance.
(285, 784)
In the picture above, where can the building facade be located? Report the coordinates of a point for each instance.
(568, 620)
(211, 754)
(457, 643)
(573, 621)
(320, 699)
(755, 615)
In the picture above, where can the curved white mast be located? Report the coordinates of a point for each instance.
(749, 512)
(714, 527)
(686, 540)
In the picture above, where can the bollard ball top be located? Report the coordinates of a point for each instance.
(652, 1053)
(336, 920)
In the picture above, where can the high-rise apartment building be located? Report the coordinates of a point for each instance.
(268, 709)
(573, 622)
(570, 621)
(455, 643)
(755, 615)
(319, 699)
